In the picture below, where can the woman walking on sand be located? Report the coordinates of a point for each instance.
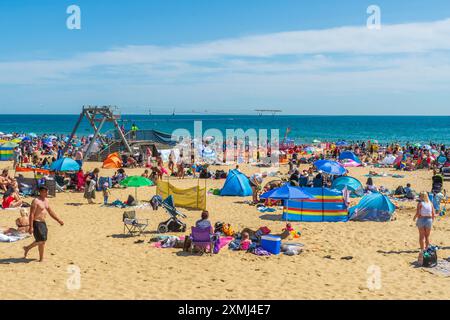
(425, 216)
(91, 182)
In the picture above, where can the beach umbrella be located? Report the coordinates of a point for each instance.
(53, 138)
(418, 145)
(316, 141)
(26, 139)
(428, 147)
(287, 192)
(136, 182)
(65, 164)
(9, 135)
(33, 135)
(330, 167)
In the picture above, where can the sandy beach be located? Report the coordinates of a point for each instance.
(114, 266)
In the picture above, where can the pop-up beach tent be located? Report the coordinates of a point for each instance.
(237, 184)
(349, 156)
(112, 161)
(373, 207)
(352, 184)
(327, 206)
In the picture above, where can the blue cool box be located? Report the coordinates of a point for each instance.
(271, 244)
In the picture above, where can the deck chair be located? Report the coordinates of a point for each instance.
(132, 224)
(201, 238)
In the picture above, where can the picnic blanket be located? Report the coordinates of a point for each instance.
(442, 268)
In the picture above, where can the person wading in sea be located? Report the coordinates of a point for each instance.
(38, 228)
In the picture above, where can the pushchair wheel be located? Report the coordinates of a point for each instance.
(163, 228)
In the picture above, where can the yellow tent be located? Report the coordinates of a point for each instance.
(193, 198)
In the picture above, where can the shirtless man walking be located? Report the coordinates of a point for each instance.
(38, 228)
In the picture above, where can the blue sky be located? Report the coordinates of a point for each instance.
(230, 56)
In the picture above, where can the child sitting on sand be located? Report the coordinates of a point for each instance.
(245, 241)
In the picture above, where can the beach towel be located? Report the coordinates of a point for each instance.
(441, 269)
(13, 238)
(264, 209)
(259, 251)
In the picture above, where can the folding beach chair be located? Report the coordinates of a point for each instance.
(132, 224)
(202, 238)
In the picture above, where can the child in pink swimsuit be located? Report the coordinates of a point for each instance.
(245, 241)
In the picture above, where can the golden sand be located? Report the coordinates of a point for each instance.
(113, 266)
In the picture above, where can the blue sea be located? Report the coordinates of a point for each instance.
(304, 129)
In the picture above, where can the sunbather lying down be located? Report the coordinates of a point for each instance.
(22, 224)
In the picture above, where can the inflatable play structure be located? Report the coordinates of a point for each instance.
(327, 206)
(113, 161)
(191, 198)
(237, 185)
(373, 207)
(352, 184)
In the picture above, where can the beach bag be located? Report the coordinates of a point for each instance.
(218, 227)
(187, 244)
(227, 230)
(430, 258)
(262, 232)
(399, 191)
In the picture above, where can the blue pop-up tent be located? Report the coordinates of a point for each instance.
(349, 155)
(65, 164)
(373, 207)
(237, 184)
(352, 184)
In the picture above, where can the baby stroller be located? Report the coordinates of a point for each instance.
(173, 224)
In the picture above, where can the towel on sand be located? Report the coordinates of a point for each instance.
(442, 268)
(13, 238)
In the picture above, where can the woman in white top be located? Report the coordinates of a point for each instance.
(425, 216)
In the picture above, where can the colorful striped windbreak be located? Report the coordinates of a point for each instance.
(6, 154)
(328, 206)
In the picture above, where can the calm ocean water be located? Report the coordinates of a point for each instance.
(421, 129)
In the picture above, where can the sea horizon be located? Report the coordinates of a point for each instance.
(303, 128)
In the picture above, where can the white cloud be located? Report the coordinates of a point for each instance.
(398, 58)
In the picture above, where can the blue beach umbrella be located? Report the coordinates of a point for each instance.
(330, 167)
(26, 139)
(287, 192)
(65, 164)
